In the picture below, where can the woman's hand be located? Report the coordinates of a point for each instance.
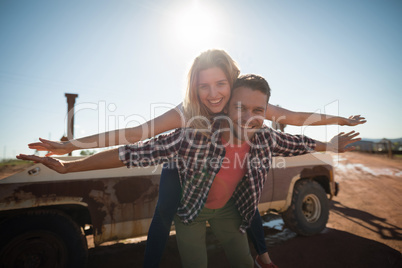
(353, 120)
(57, 165)
(54, 147)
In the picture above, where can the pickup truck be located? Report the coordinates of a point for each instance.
(45, 216)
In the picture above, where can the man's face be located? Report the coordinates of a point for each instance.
(247, 109)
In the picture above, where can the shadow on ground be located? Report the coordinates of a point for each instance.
(371, 222)
(331, 248)
(334, 248)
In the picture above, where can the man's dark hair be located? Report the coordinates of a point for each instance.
(254, 82)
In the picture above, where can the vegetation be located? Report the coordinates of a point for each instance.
(13, 162)
(87, 152)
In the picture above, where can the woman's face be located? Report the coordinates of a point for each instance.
(213, 89)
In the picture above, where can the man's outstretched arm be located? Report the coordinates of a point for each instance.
(103, 160)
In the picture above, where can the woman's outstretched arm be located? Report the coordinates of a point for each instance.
(102, 160)
(170, 120)
(284, 116)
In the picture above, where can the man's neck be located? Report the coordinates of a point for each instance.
(231, 139)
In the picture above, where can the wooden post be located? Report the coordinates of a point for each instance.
(70, 110)
(389, 145)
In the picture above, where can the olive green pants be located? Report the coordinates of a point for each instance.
(225, 224)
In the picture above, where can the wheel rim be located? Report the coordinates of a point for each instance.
(311, 208)
(35, 249)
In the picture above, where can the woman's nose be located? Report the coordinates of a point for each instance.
(213, 92)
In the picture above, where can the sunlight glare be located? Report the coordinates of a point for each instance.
(196, 26)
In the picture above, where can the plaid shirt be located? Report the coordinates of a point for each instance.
(199, 158)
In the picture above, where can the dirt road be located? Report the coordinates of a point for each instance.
(364, 228)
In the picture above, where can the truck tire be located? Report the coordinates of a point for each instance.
(309, 209)
(42, 238)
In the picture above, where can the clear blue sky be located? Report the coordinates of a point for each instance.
(127, 59)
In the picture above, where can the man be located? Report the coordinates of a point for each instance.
(222, 170)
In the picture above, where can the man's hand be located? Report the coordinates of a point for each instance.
(56, 165)
(338, 143)
(54, 147)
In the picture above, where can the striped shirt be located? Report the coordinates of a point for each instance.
(199, 158)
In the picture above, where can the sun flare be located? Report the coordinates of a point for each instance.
(195, 25)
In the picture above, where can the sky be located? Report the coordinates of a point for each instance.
(128, 61)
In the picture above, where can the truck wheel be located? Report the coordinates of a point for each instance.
(43, 238)
(309, 210)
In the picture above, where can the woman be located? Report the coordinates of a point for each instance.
(209, 87)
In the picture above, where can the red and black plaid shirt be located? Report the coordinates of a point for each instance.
(199, 158)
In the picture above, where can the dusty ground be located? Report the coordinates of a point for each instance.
(364, 228)
(12, 167)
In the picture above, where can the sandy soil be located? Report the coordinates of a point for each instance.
(364, 228)
(11, 169)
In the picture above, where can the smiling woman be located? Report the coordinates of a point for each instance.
(213, 89)
(196, 25)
